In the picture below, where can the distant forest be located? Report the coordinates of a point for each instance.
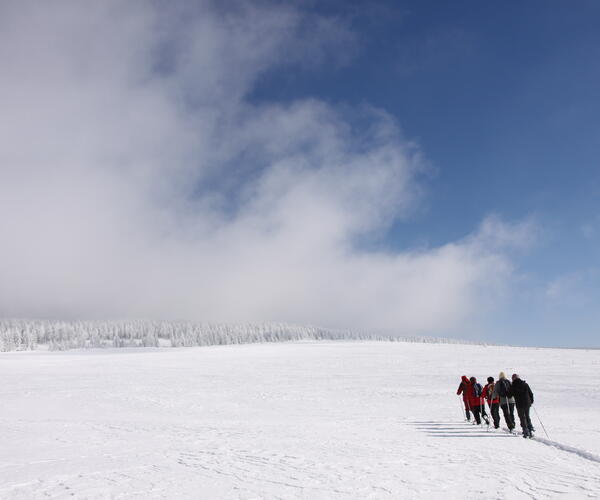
(20, 334)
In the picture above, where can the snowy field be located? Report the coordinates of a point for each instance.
(298, 420)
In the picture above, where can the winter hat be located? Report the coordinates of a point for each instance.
(501, 375)
(490, 380)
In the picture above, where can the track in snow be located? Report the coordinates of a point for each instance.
(305, 420)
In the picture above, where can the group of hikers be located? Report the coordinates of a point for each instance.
(500, 394)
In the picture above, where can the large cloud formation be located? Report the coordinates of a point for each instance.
(139, 180)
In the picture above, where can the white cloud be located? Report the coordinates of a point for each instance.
(498, 235)
(572, 290)
(138, 180)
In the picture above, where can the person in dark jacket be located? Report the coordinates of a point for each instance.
(494, 404)
(524, 399)
(503, 391)
(464, 388)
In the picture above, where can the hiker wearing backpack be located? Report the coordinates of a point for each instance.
(464, 388)
(475, 400)
(494, 404)
(524, 399)
(502, 390)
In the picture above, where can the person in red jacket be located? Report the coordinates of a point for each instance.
(476, 401)
(464, 388)
(494, 404)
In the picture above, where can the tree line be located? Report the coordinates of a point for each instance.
(57, 335)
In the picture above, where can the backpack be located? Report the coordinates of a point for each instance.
(477, 389)
(504, 388)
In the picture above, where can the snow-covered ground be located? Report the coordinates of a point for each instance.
(299, 420)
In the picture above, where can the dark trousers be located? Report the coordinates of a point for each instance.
(524, 418)
(484, 415)
(476, 412)
(495, 410)
(509, 415)
(467, 410)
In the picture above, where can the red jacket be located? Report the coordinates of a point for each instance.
(487, 394)
(474, 400)
(465, 389)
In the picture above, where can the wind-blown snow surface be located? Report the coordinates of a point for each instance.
(300, 420)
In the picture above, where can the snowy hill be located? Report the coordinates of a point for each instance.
(314, 420)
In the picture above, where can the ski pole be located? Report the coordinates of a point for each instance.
(469, 407)
(538, 417)
(462, 408)
(483, 402)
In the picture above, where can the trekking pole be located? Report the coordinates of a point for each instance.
(469, 406)
(462, 409)
(538, 417)
(487, 422)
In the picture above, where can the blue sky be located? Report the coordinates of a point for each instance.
(424, 168)
(503, 100)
